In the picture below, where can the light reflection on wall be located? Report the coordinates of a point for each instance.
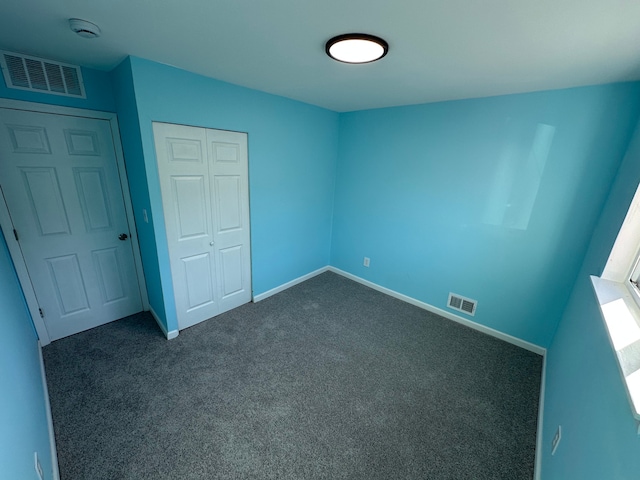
(517, 180)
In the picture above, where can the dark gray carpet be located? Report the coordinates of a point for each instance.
(327, 380)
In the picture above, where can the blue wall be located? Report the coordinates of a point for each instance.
(129, 123)
(494, 199)
(23, 417)
(292, 161)
(584, 391)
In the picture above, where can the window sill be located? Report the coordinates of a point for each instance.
(621, 316)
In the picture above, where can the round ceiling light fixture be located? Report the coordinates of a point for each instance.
(356, 48)
(83, 28)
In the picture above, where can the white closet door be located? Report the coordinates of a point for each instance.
(60, 181)
(230, 203)
(184, 181)
(204, 185)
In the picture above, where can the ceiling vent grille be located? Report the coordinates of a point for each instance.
(39, 75)
(462, 304)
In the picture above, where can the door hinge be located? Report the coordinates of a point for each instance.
(41, 313)
(15, 234)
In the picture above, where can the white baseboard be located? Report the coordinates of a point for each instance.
(55, 472)
(443, 313)
(538, 465)
(438, 311)
(170, 335)
(290, 284)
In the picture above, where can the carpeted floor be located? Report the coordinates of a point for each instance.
(326, 380)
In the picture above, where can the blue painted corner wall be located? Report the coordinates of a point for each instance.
(494, 199)
(292, 162)
(584, 391)
(23, 416)
(129, 124)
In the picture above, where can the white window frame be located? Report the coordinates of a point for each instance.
(633, 282)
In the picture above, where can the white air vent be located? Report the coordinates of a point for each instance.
(39, 75)
(462, 304)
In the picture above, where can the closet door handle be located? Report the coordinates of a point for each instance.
(212, 243)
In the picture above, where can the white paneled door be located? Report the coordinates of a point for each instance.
(205, 196)
(60, 180)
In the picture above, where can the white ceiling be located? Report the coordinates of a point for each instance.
(438, 49)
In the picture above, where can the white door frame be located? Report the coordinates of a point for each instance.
(7, 225)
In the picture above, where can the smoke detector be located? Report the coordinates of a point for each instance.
(83, 28)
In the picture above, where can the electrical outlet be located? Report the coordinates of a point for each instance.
(38, 467)
(556, 440)
(366, 262)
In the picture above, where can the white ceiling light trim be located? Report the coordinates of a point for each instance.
(356, 48)
(83, 28)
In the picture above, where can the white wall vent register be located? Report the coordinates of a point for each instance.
(462, 304)
(40, 75)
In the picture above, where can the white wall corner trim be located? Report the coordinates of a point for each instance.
(170, 335)
(537, 469)
(284, 286)
(52, 439)
(443, 313)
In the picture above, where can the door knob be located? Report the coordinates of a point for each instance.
(212, 243)
(123, 236)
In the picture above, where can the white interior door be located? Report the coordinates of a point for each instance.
(60, 181)
(205, 196)
(229, 173)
